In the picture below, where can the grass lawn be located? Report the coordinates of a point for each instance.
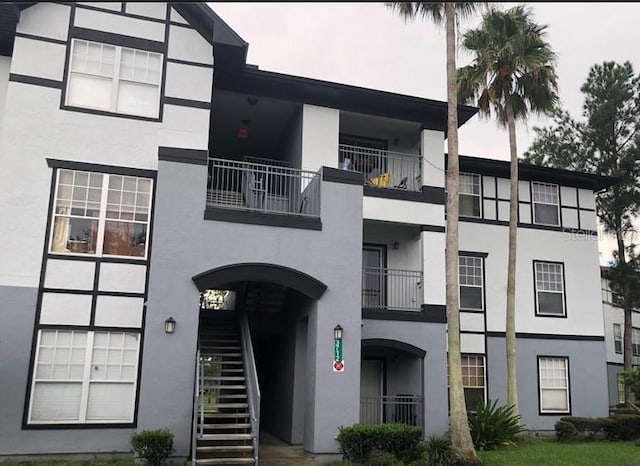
(551, 453)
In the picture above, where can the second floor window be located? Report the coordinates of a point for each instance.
(617, 338)
(101, 214)
(545, 203)
(469, 195)
(114, 79)
(549, 283)
(471, 286)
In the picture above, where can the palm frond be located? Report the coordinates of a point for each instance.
(434, 11)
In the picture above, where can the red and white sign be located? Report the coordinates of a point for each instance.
(338, 366)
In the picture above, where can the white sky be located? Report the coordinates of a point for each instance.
(368, 45)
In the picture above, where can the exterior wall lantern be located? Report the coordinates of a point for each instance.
(337, 332)
(169, 325)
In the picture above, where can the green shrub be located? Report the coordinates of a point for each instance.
(623, 427)
(565, 430)
(154, 446)
(589, 427)
(381, 458)
(438, 451)
(358, 441)
(493, 426)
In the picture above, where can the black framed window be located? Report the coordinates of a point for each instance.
(470, 197)
(617, 338)
(549, 287)
(471, 283)
(546, 203)
(553, 383)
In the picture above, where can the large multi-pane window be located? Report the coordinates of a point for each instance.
(553, 381)
(470, 195)
(617, 338)
(101, 214)
(84, 377)
(545, 203)
(114, 79)
(549, 284)
(471, 284)
(473, 380)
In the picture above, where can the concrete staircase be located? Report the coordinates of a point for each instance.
(224, 434)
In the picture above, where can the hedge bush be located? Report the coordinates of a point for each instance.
(154, 446)
(359, 442)
(616, 427)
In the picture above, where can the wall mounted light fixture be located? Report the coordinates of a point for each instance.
(169, 325)
(337, 332)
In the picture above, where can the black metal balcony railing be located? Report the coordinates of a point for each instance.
(383, 169)
(397, 289)
(403, 409)
(264, 188)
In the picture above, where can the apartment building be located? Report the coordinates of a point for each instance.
(194, 243)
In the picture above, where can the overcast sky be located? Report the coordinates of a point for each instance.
(368, 45)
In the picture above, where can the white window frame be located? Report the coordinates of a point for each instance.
(618, 339)
(102, 218)
(635, 346)
(481, 286)
(534, 202)
(86, 380)
(115, 80)
(620, 388)
(478, 195)
(537, 290)
(567, 387)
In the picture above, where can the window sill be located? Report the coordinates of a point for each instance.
(59, 426)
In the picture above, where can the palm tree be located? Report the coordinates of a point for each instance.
(513, 73)
(463, 452)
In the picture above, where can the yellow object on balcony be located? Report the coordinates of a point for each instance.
(381, 181)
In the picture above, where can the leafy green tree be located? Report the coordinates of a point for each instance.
(606, 141)
(513, 75)
(448, 12)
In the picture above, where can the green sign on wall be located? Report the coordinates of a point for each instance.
(338, 362)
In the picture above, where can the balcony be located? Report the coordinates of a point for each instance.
(391, 289)
(268, 187)
(403, 409)
(382, 168)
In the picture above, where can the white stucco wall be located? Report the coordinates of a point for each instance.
(320, 129)
(5, 66)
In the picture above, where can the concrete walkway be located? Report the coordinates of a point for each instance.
(275, 452)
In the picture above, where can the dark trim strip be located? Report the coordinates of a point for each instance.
(186, 26)
(254, 271)
(176, 154)
(189, 63)
(335, 175)
(41, 38)
(94, 167)
(122, 13)
(530, 226)
(260, 218)
(473, 254)
(96, 291)
(117, 39)
(130, 425)
(472, 332)
(429, 313)
(92, 111)
(186, 103)
(35, 81)
(433, 228)
(89, 328)
(617, 364)
(428, 194)
(548, 336)
(394, 345)
(102, 259)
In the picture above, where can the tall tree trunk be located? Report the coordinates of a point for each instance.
(463, 452)
(512, 385)
(628, 348)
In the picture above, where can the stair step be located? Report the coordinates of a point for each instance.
(230, 378)
(224, 387)
(213, 448)
(247, 460)
(225, 426)
(228, 405)
(214, 349)
(222, 354)
(226, 415)
(231, 395)
(225, 437)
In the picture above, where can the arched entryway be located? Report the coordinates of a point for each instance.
(276, 301)
(391, 382)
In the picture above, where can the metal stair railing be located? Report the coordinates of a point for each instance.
(197, 398)
(251, 377)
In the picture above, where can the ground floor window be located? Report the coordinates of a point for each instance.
(620, 386)
(553, 373)
(473, 380)
(82, 376)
